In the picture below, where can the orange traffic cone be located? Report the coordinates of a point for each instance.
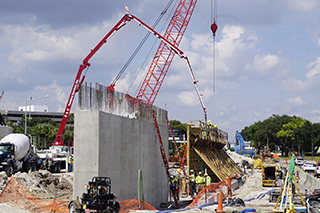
(220, 208)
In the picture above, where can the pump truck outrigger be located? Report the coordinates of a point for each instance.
(98, 198)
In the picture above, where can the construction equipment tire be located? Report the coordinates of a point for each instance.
(73, 208)
(9, 170)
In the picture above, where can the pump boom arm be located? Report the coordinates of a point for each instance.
(85, 64)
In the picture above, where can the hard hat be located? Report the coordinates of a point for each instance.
(200, 173)
(179, 170)
(191, 170)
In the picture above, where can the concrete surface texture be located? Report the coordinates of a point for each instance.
(117, 103)
(117, 147)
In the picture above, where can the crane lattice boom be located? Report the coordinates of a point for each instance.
(164, 55)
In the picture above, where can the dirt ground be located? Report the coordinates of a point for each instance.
(41, 183)
(44, 184)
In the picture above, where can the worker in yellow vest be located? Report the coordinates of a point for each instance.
(70, 163)
(200, 182)
(207, 178)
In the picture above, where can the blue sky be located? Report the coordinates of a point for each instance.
(267, 56)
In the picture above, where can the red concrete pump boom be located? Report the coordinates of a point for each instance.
(75, 88)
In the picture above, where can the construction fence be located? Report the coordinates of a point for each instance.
(210, 193)
(18, 196)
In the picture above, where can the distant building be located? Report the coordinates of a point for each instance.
(34, 108)
(178, 138)
(16, 116)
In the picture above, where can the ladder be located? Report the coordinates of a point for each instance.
(164, 158)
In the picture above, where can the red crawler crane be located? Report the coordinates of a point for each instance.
(164, 55)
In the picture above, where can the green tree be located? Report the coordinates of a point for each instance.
(280, 131)
(44, 130)
(315, 136)
(182, 127)
(290, 131)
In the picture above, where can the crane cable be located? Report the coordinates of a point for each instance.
(214, 28)
(151, 49)
(141, 44)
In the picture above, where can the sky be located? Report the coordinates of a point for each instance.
(264, 59)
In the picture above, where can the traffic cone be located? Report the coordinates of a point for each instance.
(220, 208)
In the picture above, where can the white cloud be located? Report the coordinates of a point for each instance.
(312, 78)
(188, 98)
(263, 65)
(315, 112)
(232, 48)
(304, 6)
(292, 84)
(314, 70)
(231, 41)
(56, 93)
(296, 101)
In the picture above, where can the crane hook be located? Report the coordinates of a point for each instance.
(214, 28)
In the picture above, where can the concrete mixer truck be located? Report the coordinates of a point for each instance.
(16, 154)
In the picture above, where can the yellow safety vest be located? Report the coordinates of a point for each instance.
(70, 160)
(200, 179)
(192, 178)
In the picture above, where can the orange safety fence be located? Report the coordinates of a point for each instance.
(133, 204)
(214, 187)
(18, 196)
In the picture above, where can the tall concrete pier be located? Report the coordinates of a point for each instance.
(115, 136)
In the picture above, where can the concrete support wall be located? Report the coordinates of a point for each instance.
(117, 147)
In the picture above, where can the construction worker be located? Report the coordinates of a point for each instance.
(70, 163)
(210, 125)
(39, 162)
(192, 182)
(207, 178)
(200, 182)
(175, 185)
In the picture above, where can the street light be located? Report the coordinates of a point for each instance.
(25, 110)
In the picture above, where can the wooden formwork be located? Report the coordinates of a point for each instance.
(205, 152)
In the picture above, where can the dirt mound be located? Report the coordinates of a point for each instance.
(44, 184)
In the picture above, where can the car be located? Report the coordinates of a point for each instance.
(318, 169)
(309, 167)
(299, 161)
